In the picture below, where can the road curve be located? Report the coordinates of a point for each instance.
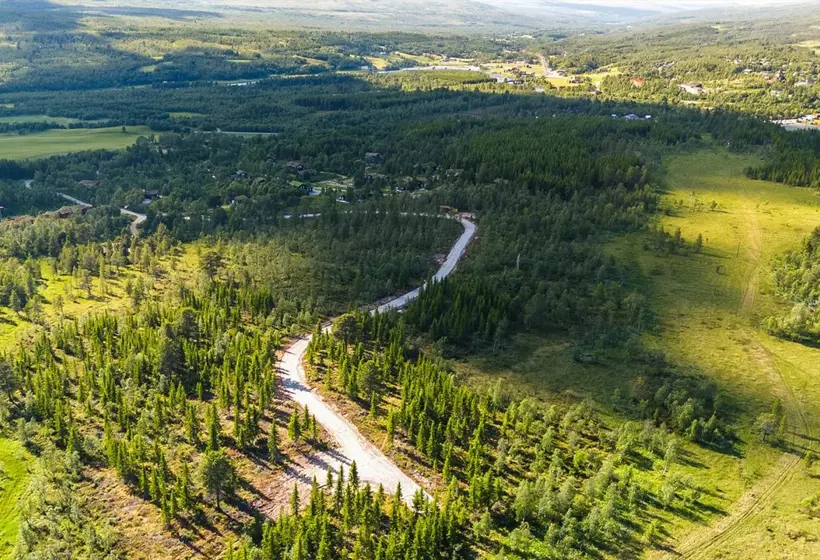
(138, 218)
(373, 465)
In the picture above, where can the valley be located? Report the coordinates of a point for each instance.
(439, 281)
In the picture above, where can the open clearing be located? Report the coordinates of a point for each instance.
(14, 475)
(23, 119)
(60, 141)
(709, 306)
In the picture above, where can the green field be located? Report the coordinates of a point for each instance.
(64, 121)
(14, 475)
(53, 142)
(184, 114)
(709, 306)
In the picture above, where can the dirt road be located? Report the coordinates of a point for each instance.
(138, 218)
(374, 466)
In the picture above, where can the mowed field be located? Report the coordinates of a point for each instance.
(709, 307)
(60, 141)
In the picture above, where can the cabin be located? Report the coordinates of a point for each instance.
(693, 88)
(638, 82)
(373, 158)
(150, 196)
(372, 177)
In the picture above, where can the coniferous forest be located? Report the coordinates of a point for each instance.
(202, 215)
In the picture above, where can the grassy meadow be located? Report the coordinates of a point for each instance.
(24, 119)
(61, 141)
(14, 474)
(709, 307)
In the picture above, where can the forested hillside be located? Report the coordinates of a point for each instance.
(594, 380)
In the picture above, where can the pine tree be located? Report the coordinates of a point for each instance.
(391, 426)
(192, 425)
(294, 500)
(213, 429)
(273, 443)
(218, 475)
(324, 552)
(294, 427)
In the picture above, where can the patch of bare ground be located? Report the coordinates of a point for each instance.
(139, 523)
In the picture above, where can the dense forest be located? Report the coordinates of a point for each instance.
(132, 392)
(555, 481)
(794, 161)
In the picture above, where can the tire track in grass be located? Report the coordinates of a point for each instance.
(700, 544)
(756, 498)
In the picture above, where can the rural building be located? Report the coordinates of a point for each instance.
(88, 183)
(149, 196)
(373, 158)
(692, 87)
(638, 82)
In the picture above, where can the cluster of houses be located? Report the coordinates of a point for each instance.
(148, 195)
(692, 88)
(800, 123)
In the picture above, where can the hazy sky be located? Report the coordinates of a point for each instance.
(655, 5)
(445, 13)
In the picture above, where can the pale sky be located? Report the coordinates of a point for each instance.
(659, 5)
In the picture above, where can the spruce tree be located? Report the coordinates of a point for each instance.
(294, 500)
(273, 443)
(294, 427)
(213, 429)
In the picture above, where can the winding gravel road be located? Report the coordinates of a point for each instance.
(138, 218)
(374, 466)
